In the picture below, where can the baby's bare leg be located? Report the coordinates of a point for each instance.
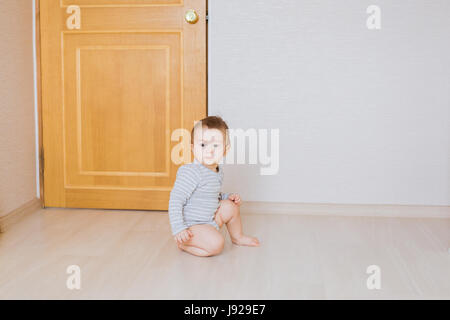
(229, 214)
(206, 241)
(194, 250)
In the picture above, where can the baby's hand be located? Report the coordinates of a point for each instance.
(183, 236)
(235, 198)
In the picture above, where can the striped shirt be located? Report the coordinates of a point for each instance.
(195, 196)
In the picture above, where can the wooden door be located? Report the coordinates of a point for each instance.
(118, 77)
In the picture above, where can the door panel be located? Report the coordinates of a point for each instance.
(113, 91)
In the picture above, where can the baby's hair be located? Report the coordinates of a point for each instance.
(212, 122)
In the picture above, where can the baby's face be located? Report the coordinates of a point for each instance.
(208, 145)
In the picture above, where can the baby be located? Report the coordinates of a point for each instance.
(197, 207)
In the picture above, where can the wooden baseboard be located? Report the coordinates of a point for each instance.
(14, 216)
(315, 209)
(363, 210)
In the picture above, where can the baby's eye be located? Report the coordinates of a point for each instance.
(202, 144)
(216, 145)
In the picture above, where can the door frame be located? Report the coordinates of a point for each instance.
(39, 100)
(39, 94)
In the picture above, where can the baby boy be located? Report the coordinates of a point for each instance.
(197, 207)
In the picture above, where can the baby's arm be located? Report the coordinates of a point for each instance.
(186, 182)
(224, 195)
(231, 196)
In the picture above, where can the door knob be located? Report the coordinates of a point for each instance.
(191, 16)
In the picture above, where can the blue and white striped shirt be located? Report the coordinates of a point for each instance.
(195, 196)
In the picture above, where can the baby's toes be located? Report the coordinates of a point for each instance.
(255, 241)
(251, 241)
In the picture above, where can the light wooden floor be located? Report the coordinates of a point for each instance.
(131, 255)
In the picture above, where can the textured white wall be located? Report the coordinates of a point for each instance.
(364, 115)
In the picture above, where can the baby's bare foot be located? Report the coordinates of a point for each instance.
(246, 241)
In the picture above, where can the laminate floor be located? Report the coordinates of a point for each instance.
(132, 255)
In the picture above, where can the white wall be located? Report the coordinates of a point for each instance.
(364, 115)
(17, 119)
